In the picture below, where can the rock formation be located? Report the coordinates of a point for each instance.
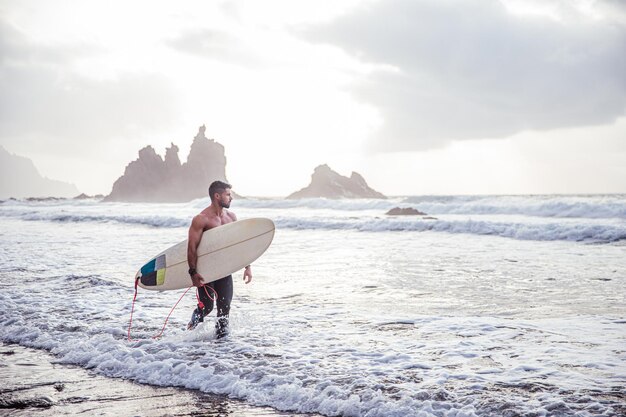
(405, 211)
(328, 184)
(151, 178)
(84, 196)
(20, 178)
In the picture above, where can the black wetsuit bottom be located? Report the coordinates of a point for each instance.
(224, 289)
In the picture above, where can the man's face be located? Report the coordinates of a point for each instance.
(225, 198)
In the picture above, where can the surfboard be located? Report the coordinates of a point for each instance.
(222, 251)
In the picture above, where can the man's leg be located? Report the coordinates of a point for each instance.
(205, 305)
(224, 289)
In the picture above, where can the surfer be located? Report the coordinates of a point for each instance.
(215, 215)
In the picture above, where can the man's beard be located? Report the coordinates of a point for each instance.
(224, 205)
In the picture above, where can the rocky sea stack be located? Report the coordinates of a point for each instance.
(151, 178)
(327, 183)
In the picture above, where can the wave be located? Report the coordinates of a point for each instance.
(594, 207)
(360, 204)
(587, 219)
(598, 233)
(550, 206)
(145, 220)
(579, 232)
(165, 364)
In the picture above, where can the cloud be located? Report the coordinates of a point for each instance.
(216, 45)
(470, 69)
(55, 109)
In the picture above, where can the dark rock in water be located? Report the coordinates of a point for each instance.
(429, 218)
(405, 211)
(328, 184)
(151, 178)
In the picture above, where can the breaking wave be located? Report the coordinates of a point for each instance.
(597, 233)
(570, 218)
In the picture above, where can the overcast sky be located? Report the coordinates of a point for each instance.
(420, 97)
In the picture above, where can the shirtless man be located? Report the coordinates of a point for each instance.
(213, 216)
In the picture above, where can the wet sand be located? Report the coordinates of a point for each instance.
(33, 385)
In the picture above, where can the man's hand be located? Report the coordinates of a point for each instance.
(197, 280)
(247, 274)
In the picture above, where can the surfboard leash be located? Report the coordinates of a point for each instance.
(200, 304)
(132, 310)
(171, 311)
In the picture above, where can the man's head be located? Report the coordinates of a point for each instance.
(219, 192)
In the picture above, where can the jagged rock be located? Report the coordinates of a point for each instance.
(84, 196)
(206, 163)
(151, 178)
(172, 162)
(328, 184)
(20, 178)
(405, 211)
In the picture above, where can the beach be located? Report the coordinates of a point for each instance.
(490, 305)
(33, 384)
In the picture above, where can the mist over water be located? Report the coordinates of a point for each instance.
(499, 306)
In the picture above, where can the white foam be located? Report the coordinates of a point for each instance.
(580, 231)
(594, 207)
(299, 376)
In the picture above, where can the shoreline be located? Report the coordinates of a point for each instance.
(34, 384)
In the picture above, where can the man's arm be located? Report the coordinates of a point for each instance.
(247, 272)
(195, 234)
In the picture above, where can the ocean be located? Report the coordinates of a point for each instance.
(494, 305)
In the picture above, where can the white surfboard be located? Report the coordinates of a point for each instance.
(221, 252)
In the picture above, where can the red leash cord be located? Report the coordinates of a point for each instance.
(171, 311)
(132, 310)
(200, 304)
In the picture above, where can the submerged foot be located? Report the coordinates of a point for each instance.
(196, 317)
(221, 333)
(221, 328)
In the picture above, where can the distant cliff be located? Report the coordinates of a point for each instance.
(19, 178)
(328, 184)
(151, 178)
